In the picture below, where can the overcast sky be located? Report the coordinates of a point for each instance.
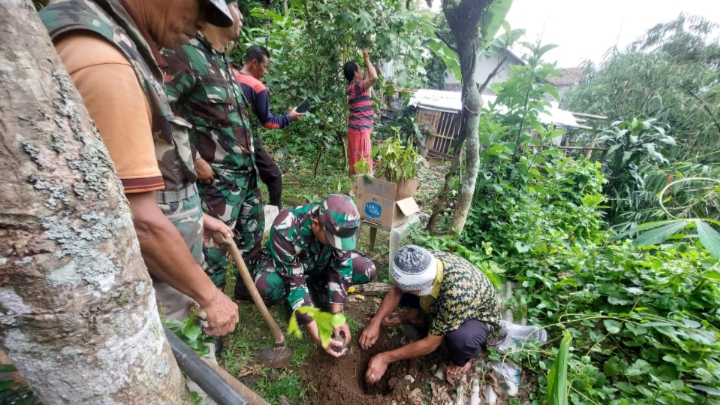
(586, 29)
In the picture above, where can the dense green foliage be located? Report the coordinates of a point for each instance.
(644, 321)
(662, 98)
(670, 75)
(309, 45)
(632, 147)
(12, 393)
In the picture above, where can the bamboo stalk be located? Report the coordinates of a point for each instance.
(593, 116)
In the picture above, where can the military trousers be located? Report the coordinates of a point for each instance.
(187, 216)
(235, 199)
(272, 287)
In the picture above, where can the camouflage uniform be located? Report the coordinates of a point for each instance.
(202, 88)
(293, 252)
(180, 201)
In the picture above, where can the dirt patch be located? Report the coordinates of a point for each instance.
(342, 381)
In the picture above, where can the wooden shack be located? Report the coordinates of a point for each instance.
(440, 129)
(438, 117)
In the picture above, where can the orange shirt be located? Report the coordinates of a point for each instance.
(116, 102)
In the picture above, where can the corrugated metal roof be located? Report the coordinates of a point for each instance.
(438, 100)
(450, 101)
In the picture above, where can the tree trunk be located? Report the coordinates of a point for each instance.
(464, 19)
(442, 196)
(472, 103)
(78, 316)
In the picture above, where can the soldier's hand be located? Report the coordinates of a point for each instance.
(369, 336)
(336, 348)
(204, 171)
(222, 315)
(343, 332)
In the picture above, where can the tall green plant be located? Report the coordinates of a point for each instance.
(513, 139)
(632, 147)
(671, 74)
(557, 377)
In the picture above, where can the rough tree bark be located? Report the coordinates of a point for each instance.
(78, 315)
(444, 194)
(464, 18)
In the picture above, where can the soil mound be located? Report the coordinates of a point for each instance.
(333, 381)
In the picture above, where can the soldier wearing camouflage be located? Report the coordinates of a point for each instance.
(179, 202)
(202, 88)
(293, 253)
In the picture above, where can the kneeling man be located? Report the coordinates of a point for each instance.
(313, 246)
(457, 296)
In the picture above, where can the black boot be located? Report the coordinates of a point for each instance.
(218, 346)
(241, 291)
(318, 293)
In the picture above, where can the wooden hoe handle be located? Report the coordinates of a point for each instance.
(250, 284)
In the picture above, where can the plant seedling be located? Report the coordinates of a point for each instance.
(326, 323)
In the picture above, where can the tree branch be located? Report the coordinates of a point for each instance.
(446, 42)
(493, 74)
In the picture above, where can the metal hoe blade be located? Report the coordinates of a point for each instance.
(276, 357)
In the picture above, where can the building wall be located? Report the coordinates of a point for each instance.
(485, 67)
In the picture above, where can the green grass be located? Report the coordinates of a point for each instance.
(249, 338)
(301, 185)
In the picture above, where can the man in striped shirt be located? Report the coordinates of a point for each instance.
(360, 122)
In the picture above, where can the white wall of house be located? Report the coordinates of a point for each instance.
(485, 67)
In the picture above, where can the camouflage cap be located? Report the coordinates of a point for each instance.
(341, 221)
(218, 14)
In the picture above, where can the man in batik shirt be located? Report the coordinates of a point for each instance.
(317, 242)
(456, 295)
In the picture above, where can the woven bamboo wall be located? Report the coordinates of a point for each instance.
(440, 129)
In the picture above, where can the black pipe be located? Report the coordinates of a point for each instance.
(203, 375)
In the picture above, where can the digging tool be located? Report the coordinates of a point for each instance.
(273, 357)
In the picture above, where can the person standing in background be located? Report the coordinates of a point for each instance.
(360, 121)
(257, 60)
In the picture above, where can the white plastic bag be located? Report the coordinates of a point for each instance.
(517, 336)
(509, 376)
(387, 69)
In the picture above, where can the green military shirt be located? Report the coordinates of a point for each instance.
(202, 88)
(297, 253)
(461, 292)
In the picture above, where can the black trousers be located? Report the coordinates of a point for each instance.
(465, 342)
(270, 175)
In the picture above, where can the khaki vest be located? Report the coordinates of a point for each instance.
(109, 19)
